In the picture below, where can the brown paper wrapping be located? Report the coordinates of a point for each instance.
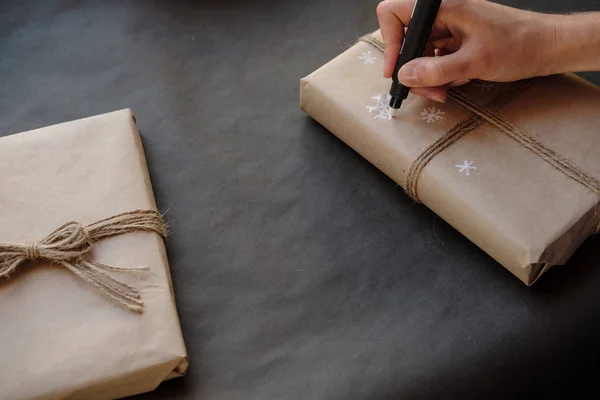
(515, 206)
(60, 337)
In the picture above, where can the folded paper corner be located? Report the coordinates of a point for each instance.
(536, 271)
(180, 370)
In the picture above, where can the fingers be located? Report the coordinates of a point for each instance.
(393, 16)
(448, 44)
(429, 50)
(460, 82)
(435, 71)
(439, 93)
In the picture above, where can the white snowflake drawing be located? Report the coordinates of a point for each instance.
(382, 108)
(367, 57)
(466, 167)
(483, 86)
(431, 114)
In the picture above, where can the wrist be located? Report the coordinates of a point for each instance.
(551, 44)
(572, 43)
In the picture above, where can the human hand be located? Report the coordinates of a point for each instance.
(472, 39)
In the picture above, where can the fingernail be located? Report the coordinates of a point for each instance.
(460, 82)
(436, 98)
(408, 75)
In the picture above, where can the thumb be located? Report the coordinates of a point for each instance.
(435, 71)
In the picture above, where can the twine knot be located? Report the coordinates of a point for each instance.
(32, 251)
(70, 243)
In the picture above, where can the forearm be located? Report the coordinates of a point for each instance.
(575, 45)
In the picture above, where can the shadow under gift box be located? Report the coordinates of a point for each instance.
(513, 204)
(60, 338)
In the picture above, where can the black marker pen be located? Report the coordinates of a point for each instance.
(415, 42)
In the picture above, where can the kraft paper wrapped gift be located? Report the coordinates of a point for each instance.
(513, 166)
(68, 331)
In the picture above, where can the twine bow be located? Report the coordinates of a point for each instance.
(69, 245)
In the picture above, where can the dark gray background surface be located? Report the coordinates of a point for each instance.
(301, 272)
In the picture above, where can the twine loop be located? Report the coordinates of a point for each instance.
(69, 244)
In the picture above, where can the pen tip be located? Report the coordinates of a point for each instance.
(394, 110)
(396, 102)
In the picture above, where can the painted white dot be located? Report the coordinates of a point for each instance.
(431, 114)
(381, 109)
(466, 167)
(367, 57)
(483, 86)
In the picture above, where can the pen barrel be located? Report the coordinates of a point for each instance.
(418, 32)
(414, 44)
(398, 93)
